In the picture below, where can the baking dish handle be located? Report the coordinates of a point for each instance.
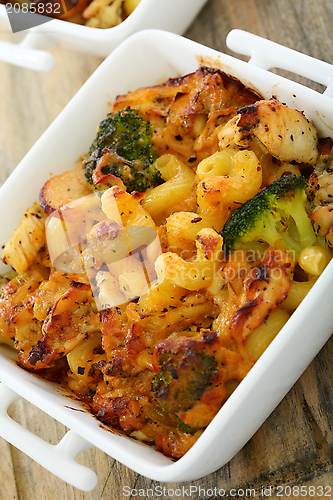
(266, 54)
(27, 53)
(58, 459)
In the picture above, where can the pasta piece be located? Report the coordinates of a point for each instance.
(9, 342)
(182, 229)
(196, 274)
(83, 363)
(132, 278)
(49, 292)
(297, 292)
(68, 228)
(160, 296)
(259, 339)
(127, 208)
(80, 215)
(56, 236)
(177, 193)
(28, 239)
(227, 179)
(313, 259)
(130, 5)
(191, 309)
(108, 291)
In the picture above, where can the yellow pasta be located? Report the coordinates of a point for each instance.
(160, 296)
(133, 281)
(130, 5)
(178, 190)
(182, 229)
(57, 236)
(191, 309)
(259, 339)
(108, 291)
(125, 208)
(313, 259)
(9, 342)
(220, 163)
(29, 237)
(196, 274)
(228, 178)
(83, 363)
(298, 290)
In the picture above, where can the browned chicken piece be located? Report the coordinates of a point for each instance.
(50, 291)
(325, 146)
(324, 188)
(323, 222)
(285, 132)
(186, 111)
(17, 319)
(320, 194)
(121, 412)
(72, 318)
(252, 294)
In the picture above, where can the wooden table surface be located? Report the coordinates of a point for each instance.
(294, 447)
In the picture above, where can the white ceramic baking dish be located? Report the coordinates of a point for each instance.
(152, 57)
(170, 15)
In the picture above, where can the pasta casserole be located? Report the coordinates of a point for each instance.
(150, 280)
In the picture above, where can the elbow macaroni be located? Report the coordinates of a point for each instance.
(196, 274)
(227, 179)
(177, 190)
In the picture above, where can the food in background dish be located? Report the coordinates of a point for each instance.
(94, 13)
(150, 280)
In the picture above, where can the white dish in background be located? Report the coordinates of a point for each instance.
(170, 15)
(152, 57)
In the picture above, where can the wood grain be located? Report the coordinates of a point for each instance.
(294, 446)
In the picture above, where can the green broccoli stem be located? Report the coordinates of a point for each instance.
(295, 208)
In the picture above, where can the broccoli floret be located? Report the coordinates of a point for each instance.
(186, 371)
(274, 216)
(123, 145)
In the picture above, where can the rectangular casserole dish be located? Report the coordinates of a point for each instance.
(152, 57)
